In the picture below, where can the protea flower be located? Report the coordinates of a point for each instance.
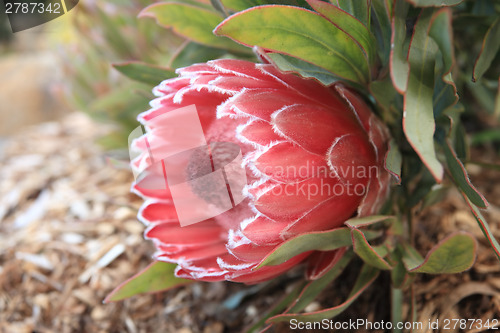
(313, 157)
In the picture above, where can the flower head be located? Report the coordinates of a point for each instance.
(313, 157)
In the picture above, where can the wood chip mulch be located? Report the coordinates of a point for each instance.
(69, 235)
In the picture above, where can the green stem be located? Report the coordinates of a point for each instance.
(396, 308)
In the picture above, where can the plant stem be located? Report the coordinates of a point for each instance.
(396, 308)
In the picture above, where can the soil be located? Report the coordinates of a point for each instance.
(69, 235)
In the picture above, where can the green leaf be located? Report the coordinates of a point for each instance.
(484, 97)
(485, 137)
(358, 9)
(445, 91)
(366, 252)
(158, 276)
(145, 73)
(434, 3)
(314, 288)
(305, 69)
(317, 241)
(410, 256)
(359, 222)
(399, 274)
(461, 178)
(349, 24)
(489, 49)
(454, 254)
(219, 7)
(299, 33)
(418, 117)
(497, 101)
(399, 67)
(381, 27)
(387, 99)
(192, 53)
(191, 22)
(366, 277)
(485, 228)
(394, 160)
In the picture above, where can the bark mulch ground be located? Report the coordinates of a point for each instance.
(69, 235)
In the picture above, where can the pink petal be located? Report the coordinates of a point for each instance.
(353, 159)
(320, 263)
(193, 253)
(268, 272)
(235, 67)
(291, 201)
(320, 218)
(311, 89)
(258, 132)
(259, 103)
(286, 162)
(315, 128)
(264, 231)
(200, 234)
(155, 212)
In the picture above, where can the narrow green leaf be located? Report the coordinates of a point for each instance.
(441, 31)
(461, 178)
(313, 241)
(381, 27)
(398, 274)
(366, 277)
(314, 288)
(299, 33)
(410, 256)
(397, 304)
(484, 97)
(445, 94)
(485, 228)
(445, 91)
(357, 8)
(497, 101)
(145, 73)
(434, 3)
(436, 195)
(158, 276)
(349, 24)
(399, 67)
(394, 160)
(305, 69)
(219, 7)
(454, 254)
(366, 252)
(491, 45)
(359, 222)
(386, 97)
(191, 22)
(418, 117)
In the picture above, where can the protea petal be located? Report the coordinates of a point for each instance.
(312, 156)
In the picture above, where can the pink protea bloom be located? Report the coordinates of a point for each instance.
(313, 155)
